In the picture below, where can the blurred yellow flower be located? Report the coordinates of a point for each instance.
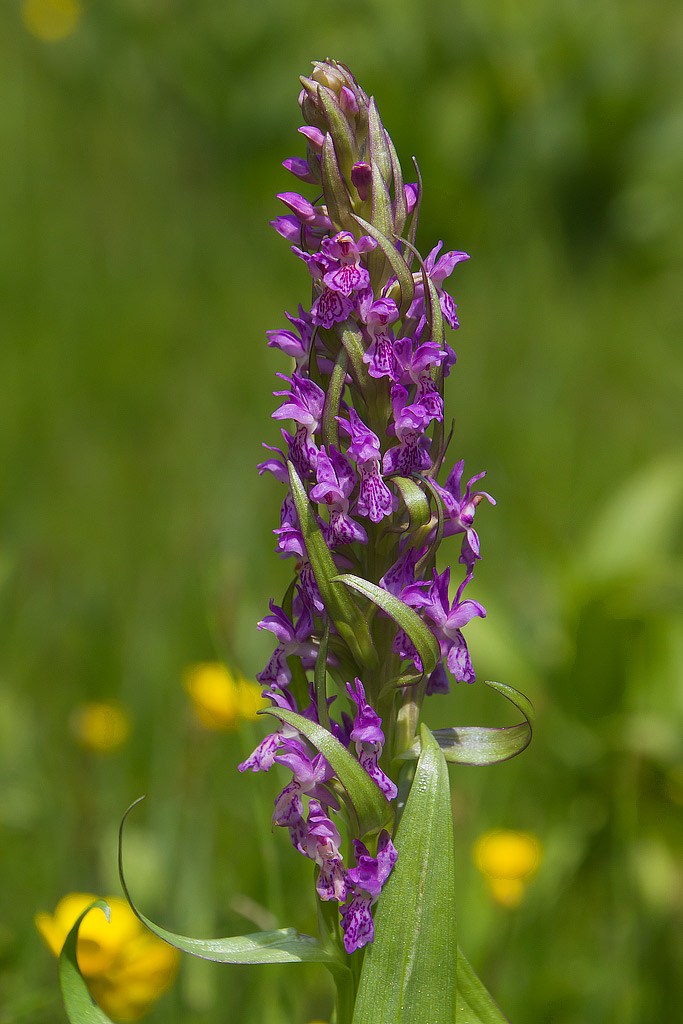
(51, 20)
(219, 699)
(507, 861)
(125, 966)
(101, 726)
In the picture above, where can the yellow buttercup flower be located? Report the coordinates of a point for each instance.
(125, 966)
(100, 726)
(507, 859)
(220, 699)
(51, 20)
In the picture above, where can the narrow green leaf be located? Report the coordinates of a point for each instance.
(336, 196)
(320, 678)
(474, 1004)
(351, 338)
(415, 501)
(400, 204)
(484, 745)
(333, 395)
(282, 946)
(380, 155)
(409, 972)
(412, 219)
(340, 131)
(370, 804)
(398, 263)
(417, 629)
(80, 1006)
(347, 618)
(428, 560)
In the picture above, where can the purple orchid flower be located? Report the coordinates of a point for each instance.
(379, 355)
(304, 211)
(460, 509)
(336, 481)
(438, 269)
(330, 308)
(304, 404)
(346, 274)
(448, 620)
(375, 500)
(410, 456)
(296, 344)
(368, 877)
(416, 366)
(322, 846)
(262, 758)
(299, 167)
(369, 739)
(293, 639)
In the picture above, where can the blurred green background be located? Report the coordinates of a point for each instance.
(140, 157)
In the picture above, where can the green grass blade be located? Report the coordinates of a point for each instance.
(409, 973)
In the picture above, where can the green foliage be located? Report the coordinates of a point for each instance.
(485, 745)
(409, 971)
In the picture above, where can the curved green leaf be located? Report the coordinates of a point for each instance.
(370, 804)
(347, 618)
(351, 338)
(400, 204)
(398, 264)
(282, 946)
(80, 1006)
(415, 212)
(320, 678)
(333, 396)
(380, 155)
(417, 629)
(484, 745)
(415, 500)
(340, 131)
(409, 972)
(428, 560)
(336, 197)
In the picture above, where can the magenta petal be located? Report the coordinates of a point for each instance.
(356, 921)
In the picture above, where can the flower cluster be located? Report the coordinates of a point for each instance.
(366, 442)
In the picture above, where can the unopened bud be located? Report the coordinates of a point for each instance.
(361, 178)
(325, 75)
(314, 136)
